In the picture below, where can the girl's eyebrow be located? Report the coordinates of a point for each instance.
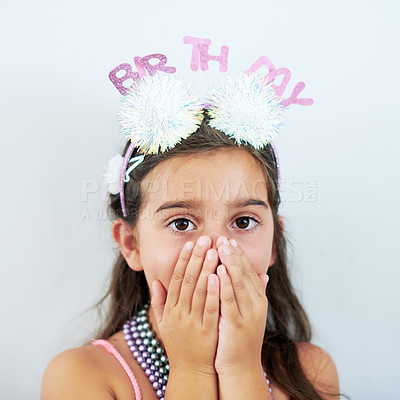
(191, 204)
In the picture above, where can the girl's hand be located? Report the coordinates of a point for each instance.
(244, 307)
(187, 317)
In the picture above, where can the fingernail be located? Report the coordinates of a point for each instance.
(223, 269)
(203, 240)
(224, 240)
(210, 254)
(234, 243)
(189, 245)
(227, 250)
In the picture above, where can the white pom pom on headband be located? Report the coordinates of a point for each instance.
(158, 112)
(246, 108)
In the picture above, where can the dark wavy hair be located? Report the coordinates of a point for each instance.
(287, 322)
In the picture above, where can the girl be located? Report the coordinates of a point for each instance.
(198, 229)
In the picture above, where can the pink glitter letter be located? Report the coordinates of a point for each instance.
(128, 75)
(200, 54)
(293, 97)
(271, 76)
(286, 78)
(140, 68)
(152, 68)
(259, 63)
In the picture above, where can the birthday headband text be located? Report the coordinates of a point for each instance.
(200, 59)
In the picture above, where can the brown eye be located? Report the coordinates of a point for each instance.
(242, 222)
(245, 223)
(181, 225)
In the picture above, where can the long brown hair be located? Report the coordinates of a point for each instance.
(287, 322)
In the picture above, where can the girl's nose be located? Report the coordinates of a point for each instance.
(217, 231)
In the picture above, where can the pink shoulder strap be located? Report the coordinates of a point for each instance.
(112, 350)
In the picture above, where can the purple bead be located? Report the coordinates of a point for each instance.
(157, 374)
(164, 388)
(152, 378)
(156, 385)
(127, 337)
(146, 354)
(153, 367)
(136, 354)
(129, 342)
(144, 365)
(133, 348)
(140, 359)
(161, 381)
(149, 361)
(135, 334)
(139, 341)
(148, 371)
(142, 348)
(159, 393)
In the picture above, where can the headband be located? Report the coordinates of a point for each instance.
(159, 111)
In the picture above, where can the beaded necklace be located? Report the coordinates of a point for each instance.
(149, 353)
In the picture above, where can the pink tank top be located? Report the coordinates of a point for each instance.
(112, 350)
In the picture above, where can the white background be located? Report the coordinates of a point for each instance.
(59, 128)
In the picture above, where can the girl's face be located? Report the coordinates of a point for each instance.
(223, 193)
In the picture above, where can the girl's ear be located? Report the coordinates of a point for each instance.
(273, 256)
(124, 236)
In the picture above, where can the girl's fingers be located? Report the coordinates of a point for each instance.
(192, 272)
(249, 270)
(158, 300)
(201, 290)
(211, 308)
(242, 286)
(179, 273)
(229, 307)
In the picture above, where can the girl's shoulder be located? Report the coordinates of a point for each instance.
(319, 367)
(77, 373)
(87, 372)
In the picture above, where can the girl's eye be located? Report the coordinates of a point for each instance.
(244, 223)
(181, 225)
